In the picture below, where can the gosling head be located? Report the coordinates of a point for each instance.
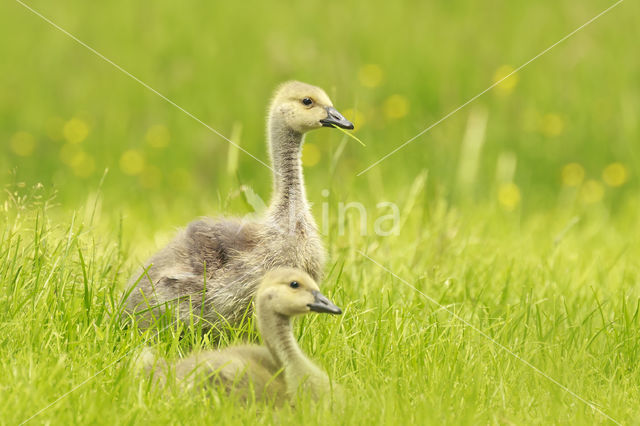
(303, 107)
(292, 292)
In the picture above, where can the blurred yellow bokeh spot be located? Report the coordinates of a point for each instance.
(132, 162)
(615, 174)
(507, 85)
(591, 192)
(311, 155)
(75, 130)
(23, 144)
(396, 106)
(572, 174)
(151, 177)
(355, 116)
(158, 136)
(370, 75)
(509, 196)
(82, 164)
(551, 125)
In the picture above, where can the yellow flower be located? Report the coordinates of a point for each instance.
(509, 196)
(507, 85)
(615, 174)
(591, 192)
(572, 174)
(75, 130)
(396, 106)
(132, 162)
(158, 136)
(82, 164)
(370, 75)
(151, 177)
(310, 155)
(551, 125)
(23, 144)
(355, 116)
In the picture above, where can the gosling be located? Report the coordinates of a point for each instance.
(278, 371)
(211, 270)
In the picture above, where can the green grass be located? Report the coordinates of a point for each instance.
(542, 264)
(562, 298)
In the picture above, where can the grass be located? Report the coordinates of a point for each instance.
(529, 285)
(518, 213)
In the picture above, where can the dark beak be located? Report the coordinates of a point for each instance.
(322, 304)
(334, 118)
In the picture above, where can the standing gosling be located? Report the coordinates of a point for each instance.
(279, 370)
(237, 253)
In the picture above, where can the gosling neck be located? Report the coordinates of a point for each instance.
(289, 204)
(277, 334)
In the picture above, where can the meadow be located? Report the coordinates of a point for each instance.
(508, 292)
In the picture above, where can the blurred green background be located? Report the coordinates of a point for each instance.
(563, 128)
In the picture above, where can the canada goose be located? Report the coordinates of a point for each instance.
(236, 253)
(277, 371)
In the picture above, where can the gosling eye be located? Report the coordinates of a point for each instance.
(307, 101)
(294, 284)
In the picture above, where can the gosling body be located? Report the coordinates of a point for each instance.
(278, 371)
(211, 269)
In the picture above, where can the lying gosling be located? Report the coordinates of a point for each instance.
(277, 371)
